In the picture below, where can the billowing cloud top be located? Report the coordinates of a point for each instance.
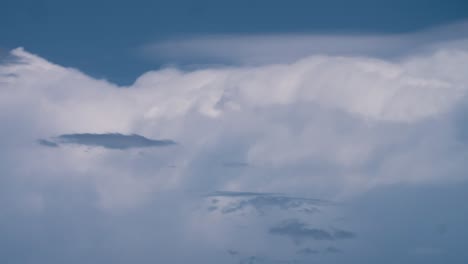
(273, 136)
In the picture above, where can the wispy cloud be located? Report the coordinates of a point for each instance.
(286, 48)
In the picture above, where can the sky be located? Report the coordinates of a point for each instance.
(102, 38)
(233, 132)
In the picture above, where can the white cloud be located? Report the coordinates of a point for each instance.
(341, 123)
(322, 126)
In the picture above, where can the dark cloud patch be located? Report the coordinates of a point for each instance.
(235, 164)
(343, 234)
(312, 252)
(332, 250)
(252, 260)
(299, 231)
(233, 252)
(237, 194)
(110, 141)
(263, 201)
(8, 75)
(266, 260)
(47, 143)
(212, 208)
(307, 251)
(260, 203)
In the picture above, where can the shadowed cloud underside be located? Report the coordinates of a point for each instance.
(230, 202)
(298, 231)
(109, 141)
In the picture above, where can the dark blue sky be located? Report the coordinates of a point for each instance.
(100, 37)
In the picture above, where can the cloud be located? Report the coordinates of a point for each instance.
(108, 140)
(230, 202)
(47, 143)
(298, 231)
(333, 250)
(341, 128)
(325, 125)
(234, 164)
(312, 252)
(252, 260)
(307, 251)
(237, 194)
(286, 48)
(343, 234)
(232, 252)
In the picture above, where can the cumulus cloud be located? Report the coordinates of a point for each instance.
(334, 126)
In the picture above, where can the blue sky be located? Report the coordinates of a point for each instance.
(239, 132)
(101, 37)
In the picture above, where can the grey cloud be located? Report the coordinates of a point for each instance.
(232, 252)
(212, 208)
(251, 260)
(236, 194)
(108, 140)
(332, 250)
(47, 143)
(343, 234)
(280, 48)
(258, 259)
(299, 231)
(235, 164)
(262, 201)
(307, 251)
